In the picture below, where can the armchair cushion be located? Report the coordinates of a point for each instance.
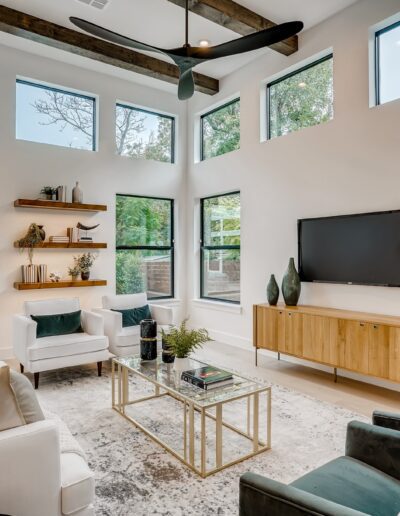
(10, 414)
(386, 419)
(57, 324)
(121, 302)
(51, 306)
(26, 398)
(66, 345)
(352, 483)
(133, 316)
(77, 483)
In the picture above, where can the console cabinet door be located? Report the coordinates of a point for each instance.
(320, 339)
(293, 344)
(270, 328)
(356, 356)
(378, 349)
(394, 354)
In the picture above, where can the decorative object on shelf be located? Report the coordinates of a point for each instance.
(34, 236)
(49, 192)
(42, 232)
(55, 277)
(166, 355)
(85, 238)
(272, 291)
(61, 193)
(148, 339)
(85, 262)
(42, 273)
(291, 285)
(181, 342)
(74, 272)
(29, 273)
(77, 194)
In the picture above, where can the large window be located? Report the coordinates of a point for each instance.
(301, 99)
(387, 60)
(220, 248)
(220, 130)
(145, 246)
(50, 115)
(143, 134)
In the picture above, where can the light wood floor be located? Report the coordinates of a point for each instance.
(356, 396)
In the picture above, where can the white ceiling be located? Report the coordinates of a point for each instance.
(161, 23)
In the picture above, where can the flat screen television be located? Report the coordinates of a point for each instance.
(361, 249)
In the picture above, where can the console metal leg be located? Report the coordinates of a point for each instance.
(335, 374)
(256, 357)
(279, 355)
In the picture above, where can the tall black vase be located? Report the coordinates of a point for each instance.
(148, 339)
(167, 358)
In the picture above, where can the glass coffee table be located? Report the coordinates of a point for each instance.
(203, 423)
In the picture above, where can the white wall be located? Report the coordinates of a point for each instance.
(348, 165)
(26, 167)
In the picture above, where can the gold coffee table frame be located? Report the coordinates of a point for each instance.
(121, 367)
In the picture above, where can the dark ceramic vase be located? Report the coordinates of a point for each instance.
(272, 291)
(291, 286)
(148, 339)
(42, 232)
(167, 358)
(85, 275)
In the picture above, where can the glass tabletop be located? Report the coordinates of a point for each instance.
(164, 375)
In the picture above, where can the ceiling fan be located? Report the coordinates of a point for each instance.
(187, 57)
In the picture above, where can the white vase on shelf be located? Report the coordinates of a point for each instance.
(77, 194)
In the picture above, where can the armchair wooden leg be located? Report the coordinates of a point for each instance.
(99, 366)
(36, 377)
(21, 368)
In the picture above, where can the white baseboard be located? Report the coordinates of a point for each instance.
(6, 353)
(233, 340)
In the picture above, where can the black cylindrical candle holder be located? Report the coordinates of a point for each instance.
(167, 358)
(148, 339)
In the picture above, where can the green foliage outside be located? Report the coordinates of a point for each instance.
(303, 100)
(129, 273)
(221, 130)
(221, 220)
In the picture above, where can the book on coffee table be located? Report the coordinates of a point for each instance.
(207, 377)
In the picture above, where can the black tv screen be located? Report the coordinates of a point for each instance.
(359, 249)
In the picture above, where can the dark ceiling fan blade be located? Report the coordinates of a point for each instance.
(186, 84)
(113, 37)
(263, 38)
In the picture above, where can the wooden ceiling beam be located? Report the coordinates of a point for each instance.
(237, 18)
(42, 31)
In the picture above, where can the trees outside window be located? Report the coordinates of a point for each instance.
(144, 246)
(220, 130)
(303, 98)
(220, 248)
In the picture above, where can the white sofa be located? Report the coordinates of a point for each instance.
(43, 475)
(125, 341)
(47, 353)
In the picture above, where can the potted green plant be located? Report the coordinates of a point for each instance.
(74, 272)
(181, 342)
(84, 262)
(49, 192)
(33, 237)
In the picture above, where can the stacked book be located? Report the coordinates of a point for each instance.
(208, 377)
(59, 239)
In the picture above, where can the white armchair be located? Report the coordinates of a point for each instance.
(125, 341)
(47, 353)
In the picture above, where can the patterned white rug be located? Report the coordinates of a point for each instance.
(136, 477)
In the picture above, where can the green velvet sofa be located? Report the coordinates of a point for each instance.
(366, 481)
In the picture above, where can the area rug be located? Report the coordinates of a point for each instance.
(137, 477)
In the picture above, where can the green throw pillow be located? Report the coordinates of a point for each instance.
(58, 324)
(133, 316)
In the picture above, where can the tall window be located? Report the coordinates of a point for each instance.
(145, 246)
(301, 99)
(143, 134)
(387, 61)
(220, 130)
(220, 248)
(50, 115)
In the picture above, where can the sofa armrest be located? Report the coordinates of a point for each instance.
(112, 321)
(92, 323)
(259, 495)
(386, 419)
(30, 480)
(164, 315)
(374, 445)
(24, 336)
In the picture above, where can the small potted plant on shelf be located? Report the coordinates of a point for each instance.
(33, 237)
(84, 262)
(74, 272)
(180, 342)
(49, 193)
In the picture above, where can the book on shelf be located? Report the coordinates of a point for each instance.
(73, 234)
(208, 377)
(59, 239)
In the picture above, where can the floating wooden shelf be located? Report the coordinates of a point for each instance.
(67, 245)
(58, 205)
(60, 284)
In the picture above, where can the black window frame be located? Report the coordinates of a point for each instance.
(170, 248)
(284, 78)
(213, 248)
(46, 87)
(203, 116)
(155, 113)
(378, 34)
